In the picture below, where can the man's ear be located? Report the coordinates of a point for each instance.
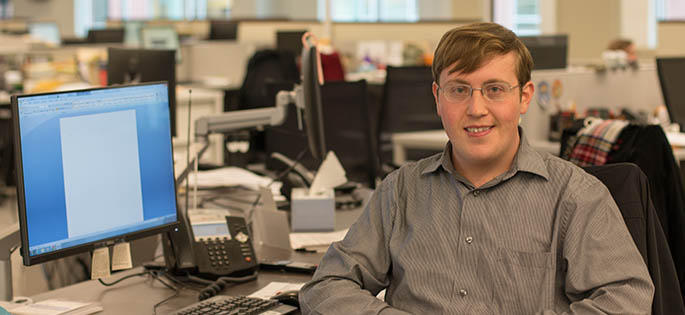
(435, 96)
(527, 93)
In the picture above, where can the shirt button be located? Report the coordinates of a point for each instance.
(463, 292)
(469, 240)
(476, 192)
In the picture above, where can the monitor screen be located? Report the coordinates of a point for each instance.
(126, 66)
(45, 31)
(109, 35)
(222, 29)
(290, 41)
(161, 37)
(94, 167)
(312, 79)
(672, 79)
(548, 51)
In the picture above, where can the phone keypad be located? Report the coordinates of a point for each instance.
(217, 250)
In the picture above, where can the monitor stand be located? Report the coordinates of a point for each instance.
(9, 238)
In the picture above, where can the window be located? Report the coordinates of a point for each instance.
(521, 16)
(95, 13)
(527, 20)
(670, 10)
(369, 10)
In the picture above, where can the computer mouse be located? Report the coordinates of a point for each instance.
(288, 297)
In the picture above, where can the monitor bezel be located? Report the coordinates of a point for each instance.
(29, 260)
(662, 63)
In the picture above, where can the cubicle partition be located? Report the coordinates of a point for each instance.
(581, 88)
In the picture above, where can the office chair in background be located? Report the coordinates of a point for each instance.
(407, 105)
(629, 187)
(265, 68)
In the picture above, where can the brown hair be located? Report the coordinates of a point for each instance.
(472, 45)
(620, 44)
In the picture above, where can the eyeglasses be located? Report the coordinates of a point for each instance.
(494, 92)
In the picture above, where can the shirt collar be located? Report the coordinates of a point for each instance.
(527, 160)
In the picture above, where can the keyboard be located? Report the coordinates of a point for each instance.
(223, 304)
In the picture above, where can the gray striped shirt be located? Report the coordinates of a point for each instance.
(545, 237)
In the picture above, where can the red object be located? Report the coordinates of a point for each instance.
(332, 67)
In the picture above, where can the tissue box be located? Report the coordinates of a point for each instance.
(312, 213)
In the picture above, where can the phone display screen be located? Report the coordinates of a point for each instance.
(211, 230)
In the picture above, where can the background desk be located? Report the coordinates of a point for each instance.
(436, 139)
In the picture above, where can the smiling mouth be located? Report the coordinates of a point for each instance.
(478, 129)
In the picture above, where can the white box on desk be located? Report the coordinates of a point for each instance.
(312, 212)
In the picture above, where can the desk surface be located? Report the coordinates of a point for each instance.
(138, 295)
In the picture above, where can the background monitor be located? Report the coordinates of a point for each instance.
(45, 31)
(312, 79)
(94, 167)
(161, 37)
(548, 51)
(223, 29)
(125, 66)
(671, 73)
(108, 35)
(290, 41)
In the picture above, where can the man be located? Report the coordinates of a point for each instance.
(489, 226)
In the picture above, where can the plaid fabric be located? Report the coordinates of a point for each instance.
(595, 141)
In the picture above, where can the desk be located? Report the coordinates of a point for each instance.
(436, 139)
(138, 295)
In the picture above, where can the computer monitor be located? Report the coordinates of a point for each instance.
(104, 36)
(125, 66)
(548, 51)
(290, 41)
(94, 167)
(161, 37)
(671, 73)
(45, 31)
(312, 79)
(223, 30)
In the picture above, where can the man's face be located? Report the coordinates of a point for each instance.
(482, 132)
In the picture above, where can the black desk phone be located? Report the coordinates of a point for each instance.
(216, 244)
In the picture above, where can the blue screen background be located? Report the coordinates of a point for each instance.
(42, 157)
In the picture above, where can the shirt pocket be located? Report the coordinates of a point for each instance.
(523, 281)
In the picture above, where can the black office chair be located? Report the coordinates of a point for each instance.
(408, 105)
(629, 187)
(265, 69)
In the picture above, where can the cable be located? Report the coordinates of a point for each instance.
(190, 102)
(179, 282)
(290, 168)
(122, 279)
(215, 287)
(299, 157)
(176, 291)
(154, 308)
